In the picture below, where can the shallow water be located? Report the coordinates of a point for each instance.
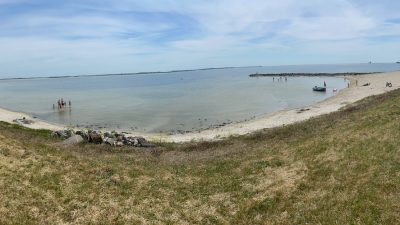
(170, 102)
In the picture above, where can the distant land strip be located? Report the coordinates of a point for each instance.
(124, 74)
(308, 74)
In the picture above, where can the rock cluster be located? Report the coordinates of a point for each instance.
(23, 121)
(98, 137)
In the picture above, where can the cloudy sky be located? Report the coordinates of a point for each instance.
(69, 37)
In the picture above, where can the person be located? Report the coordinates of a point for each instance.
(324, 84)
(69, 103)
(59, 104)
(273, 78)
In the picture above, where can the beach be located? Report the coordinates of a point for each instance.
(344, 97)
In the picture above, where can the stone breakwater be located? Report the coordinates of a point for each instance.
(72, 137)
(305, 74)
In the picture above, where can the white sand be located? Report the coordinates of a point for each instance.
(9, 116)
(343, 98)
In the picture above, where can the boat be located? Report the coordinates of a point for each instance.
(322, 89)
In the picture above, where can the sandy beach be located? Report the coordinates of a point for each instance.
(346, 96)
(10, 116)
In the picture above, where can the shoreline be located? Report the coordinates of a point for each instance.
(280, 118)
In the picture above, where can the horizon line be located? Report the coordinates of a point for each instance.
(176, 71)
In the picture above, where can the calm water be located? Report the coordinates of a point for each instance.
(175, 101)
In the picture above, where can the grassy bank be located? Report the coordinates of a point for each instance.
(341, 168)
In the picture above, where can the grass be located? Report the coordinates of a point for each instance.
(341, 168)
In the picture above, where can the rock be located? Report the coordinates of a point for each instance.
(120, 137)
(110, 141)
(83, 134)
(135, 142)
(69, 133)
(23, 121)
(60, 134)
(74, 139)
(147, 145)
(109, 135)
(54, 134)
(95, 137)
(142, 142)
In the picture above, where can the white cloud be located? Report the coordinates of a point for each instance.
(122, 36)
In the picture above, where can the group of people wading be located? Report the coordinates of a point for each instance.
(62, 104)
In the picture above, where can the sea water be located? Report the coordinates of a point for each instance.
(176, 101)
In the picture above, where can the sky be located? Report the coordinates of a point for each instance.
(75, 37)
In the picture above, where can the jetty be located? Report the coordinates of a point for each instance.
(307, 74)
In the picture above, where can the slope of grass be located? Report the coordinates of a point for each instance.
(341, 168)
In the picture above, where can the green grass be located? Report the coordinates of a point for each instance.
(341, 168)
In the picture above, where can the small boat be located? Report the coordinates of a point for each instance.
(322, 89)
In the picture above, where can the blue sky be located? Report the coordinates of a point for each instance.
(50, 37)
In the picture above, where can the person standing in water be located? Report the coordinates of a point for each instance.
(324, 84)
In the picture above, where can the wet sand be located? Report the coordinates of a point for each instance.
(344, 97)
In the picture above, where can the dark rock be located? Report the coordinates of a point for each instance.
(95, 137)
(69, 133)
(147, 145)
(142, 142)
(74, 139)
(128, 141)
(367, 84)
